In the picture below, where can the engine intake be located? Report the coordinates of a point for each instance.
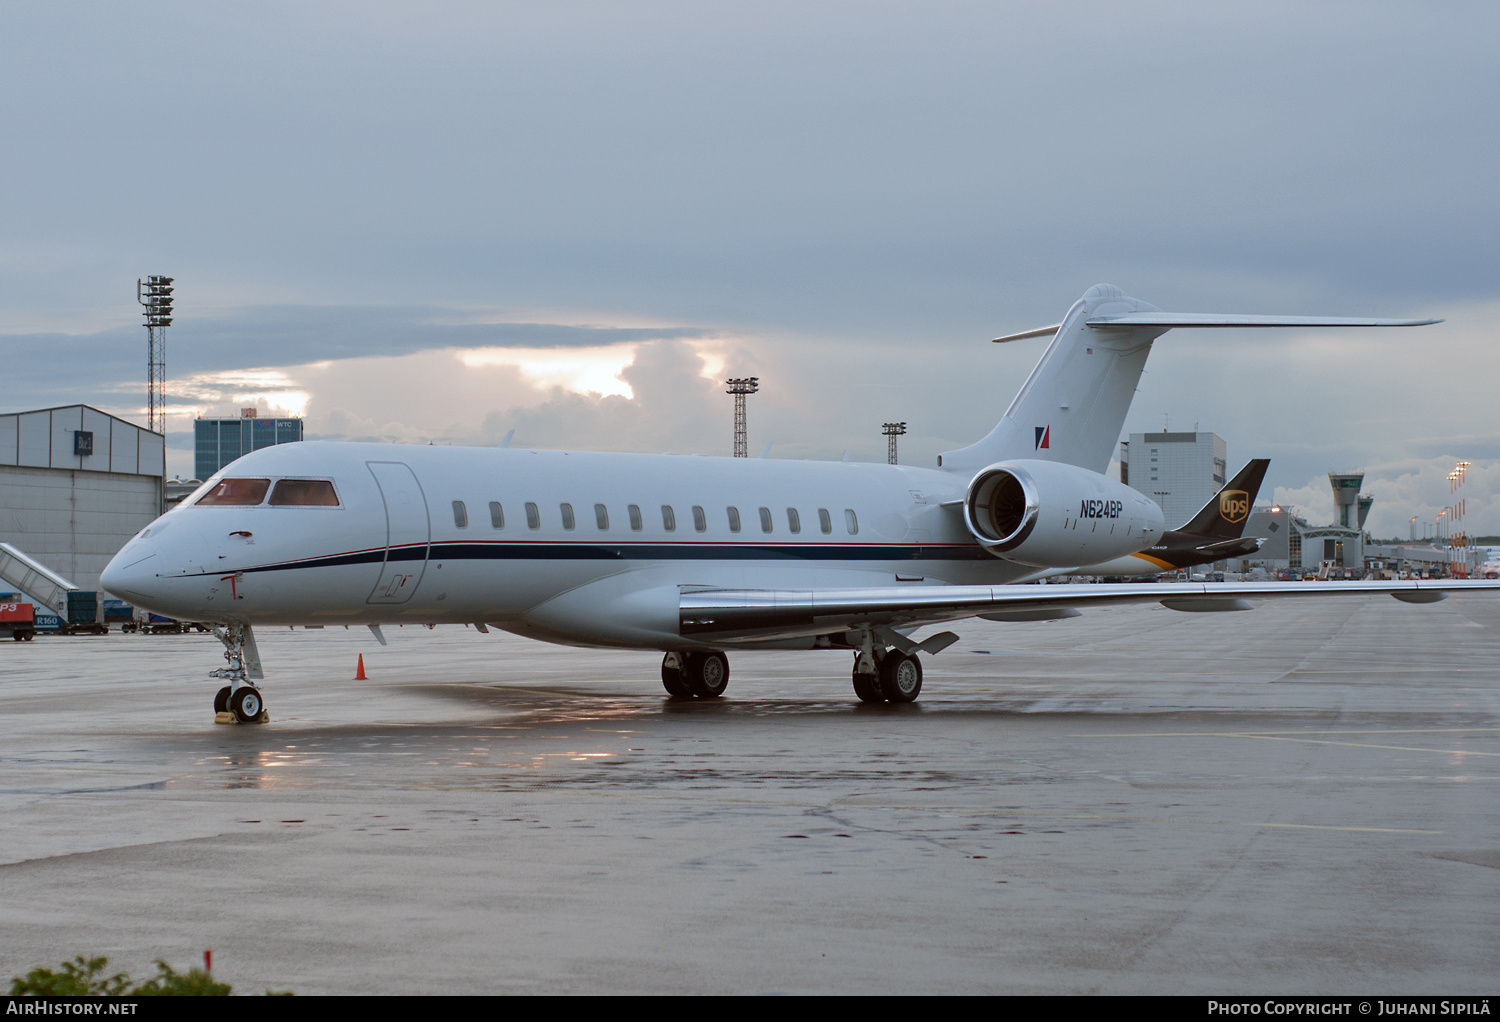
(1001, 507)
(1057, 516)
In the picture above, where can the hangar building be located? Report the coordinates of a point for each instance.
(75, 484)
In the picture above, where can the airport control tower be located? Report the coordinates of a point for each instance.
(1346, 498)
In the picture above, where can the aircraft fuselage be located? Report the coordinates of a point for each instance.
(529, 540)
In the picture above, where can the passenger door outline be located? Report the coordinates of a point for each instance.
(408, 532)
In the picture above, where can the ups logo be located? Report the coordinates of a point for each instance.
(1234, 506)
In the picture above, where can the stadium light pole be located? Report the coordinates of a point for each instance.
(155, 293)
(739, 388)
(892, 430)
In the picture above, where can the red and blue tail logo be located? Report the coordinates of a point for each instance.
(1043, 437)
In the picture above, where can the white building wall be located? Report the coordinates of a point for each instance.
(1180, 471)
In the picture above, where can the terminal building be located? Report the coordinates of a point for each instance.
(1293, 543)
(1180, 471)
(75, 484)
(217, 442)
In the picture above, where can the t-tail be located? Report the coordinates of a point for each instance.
(1073, 405)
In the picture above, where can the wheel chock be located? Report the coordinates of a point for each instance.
(226, 717)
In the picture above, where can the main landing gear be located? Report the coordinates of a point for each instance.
(697, 675)
(239, 702)
(880, 675)
(888, 676)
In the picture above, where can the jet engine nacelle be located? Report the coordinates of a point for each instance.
(1057, 516)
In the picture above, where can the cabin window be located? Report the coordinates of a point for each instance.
(567, 516)
(765, 519)
(734, 519)
(851, 522)
(236, 493)
(636, 525)
(825, 521)
(601, 517)
(533, 516)
(497, 515)
(700, 520)
(460, 514)
(793, 520)
(304, 493)
(668, 519)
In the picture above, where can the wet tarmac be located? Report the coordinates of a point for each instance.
(1302, 799)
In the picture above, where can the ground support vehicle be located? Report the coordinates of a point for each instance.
(17, 621)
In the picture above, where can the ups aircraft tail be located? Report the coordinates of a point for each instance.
(1224, 516)
(1073, 405)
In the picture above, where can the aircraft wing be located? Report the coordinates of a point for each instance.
(769, 614)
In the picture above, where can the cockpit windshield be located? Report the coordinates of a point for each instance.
(235, 492)
(303, 493)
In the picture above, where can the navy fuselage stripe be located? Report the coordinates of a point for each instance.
(638, 552)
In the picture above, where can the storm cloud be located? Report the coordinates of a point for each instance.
(846, 199)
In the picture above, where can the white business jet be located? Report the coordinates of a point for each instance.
(694, 556)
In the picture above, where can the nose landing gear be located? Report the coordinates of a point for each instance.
(239, 702)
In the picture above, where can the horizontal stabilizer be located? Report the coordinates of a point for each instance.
(1041, 331)
(1237, 547)
(1170, 320)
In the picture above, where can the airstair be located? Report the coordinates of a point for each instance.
(45, 586)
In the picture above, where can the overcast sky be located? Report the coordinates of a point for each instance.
(444, 221)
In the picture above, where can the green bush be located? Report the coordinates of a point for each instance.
(84, 977)
(78, 978)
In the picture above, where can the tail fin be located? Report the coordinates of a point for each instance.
(1226, 512)
(1073, 406)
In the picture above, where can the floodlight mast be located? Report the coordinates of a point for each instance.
(892, 430)
(739, 388)
(155, 293)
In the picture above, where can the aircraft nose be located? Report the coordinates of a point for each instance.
(132, 573)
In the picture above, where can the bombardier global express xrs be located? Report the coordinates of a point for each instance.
(696, 556)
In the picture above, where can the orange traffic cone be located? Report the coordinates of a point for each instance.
(359, 675)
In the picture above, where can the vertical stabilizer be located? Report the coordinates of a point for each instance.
(1073, 406)
(1226, 512)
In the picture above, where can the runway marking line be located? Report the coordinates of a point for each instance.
(1302, 736)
